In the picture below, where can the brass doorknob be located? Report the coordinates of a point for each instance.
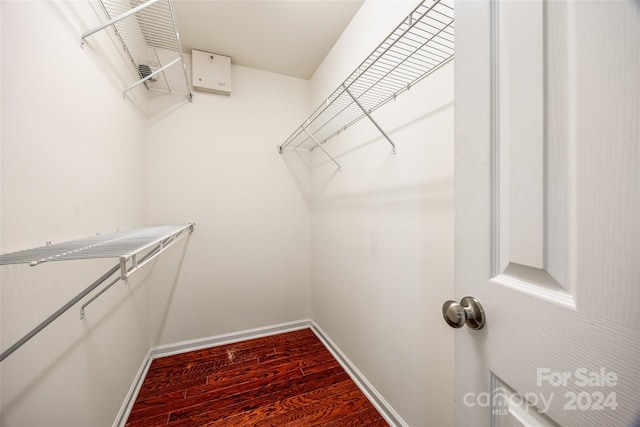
(469, 311)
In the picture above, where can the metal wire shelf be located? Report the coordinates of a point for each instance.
(149, 35)
(125, 245)
(134, 248)
(420, 45)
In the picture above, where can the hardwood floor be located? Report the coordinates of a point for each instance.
(289, 379)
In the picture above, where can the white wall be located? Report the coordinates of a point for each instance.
(215, 162)
(73, 163)
(382, 231)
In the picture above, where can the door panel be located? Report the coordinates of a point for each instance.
(511, 409)
(519, 168)
(530, 192)
(548, 210)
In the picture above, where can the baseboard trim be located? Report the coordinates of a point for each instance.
(130, 398)
(376, 399)
(200, 343)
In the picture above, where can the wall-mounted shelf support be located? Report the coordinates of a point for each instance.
(151, 40)
(421, 44)
(140, 245)
(96, 296)
(158, 245)
(150, 76)
(323, 149)
(58, 313)
(371, 118)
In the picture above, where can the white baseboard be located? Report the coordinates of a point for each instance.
(370, 392)
(376, 399)
(130, 398)
(248, 334)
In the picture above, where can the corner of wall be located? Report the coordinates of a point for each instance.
(382, 230)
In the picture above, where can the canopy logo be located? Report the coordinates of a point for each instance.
(583, 390)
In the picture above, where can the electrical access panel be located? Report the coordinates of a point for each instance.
(211, 72)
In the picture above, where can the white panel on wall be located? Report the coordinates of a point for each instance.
(211, 72)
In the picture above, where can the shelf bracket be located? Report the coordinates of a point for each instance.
(143, 245)
(150, 76)
(161, 28)
(323, 149)
(58, 313)
(158, 248)
(366, 113)
(421, 44)
(96, 296)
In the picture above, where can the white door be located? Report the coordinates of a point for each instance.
(547, 99)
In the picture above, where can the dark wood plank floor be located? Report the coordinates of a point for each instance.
(289, 379)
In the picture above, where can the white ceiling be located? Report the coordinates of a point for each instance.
(289, 37)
